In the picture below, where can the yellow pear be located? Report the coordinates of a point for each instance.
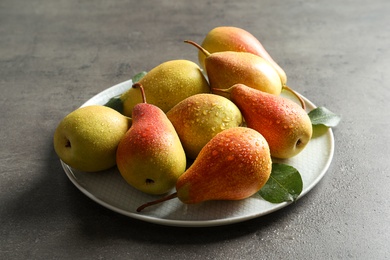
(87, 138)
(166, 85)
(197, 119)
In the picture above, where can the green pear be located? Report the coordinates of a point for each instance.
(166, 85)
(87, 138)
(150, 156)
(224, 69)
(284, 124)
(228, 38)
(234, 165)
(197, 119)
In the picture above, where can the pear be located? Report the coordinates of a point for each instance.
(227, 68)
(228, 38)
(197, 119)
(166, 85)
(87, 138)
(150, 156)
(234, 165)
(285, 125)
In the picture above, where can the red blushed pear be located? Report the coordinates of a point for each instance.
(150, 156)
(233, 165)
(284, 124)
(234, 39)
(228, 38)
(227, 68)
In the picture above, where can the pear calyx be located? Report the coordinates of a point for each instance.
(205, 52)
(154, 202)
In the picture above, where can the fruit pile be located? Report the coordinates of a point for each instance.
(211, 135)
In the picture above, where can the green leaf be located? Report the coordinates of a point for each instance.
(138, 76)
(323, 116)
(115, 103)
(284, 184)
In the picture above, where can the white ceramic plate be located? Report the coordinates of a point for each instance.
(110, 190)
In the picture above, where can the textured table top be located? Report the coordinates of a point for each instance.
(55, 55)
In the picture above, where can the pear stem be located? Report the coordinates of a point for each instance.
(205, 52)
(139, 85)
(296, 95)
(151, 203)
(130, 119)
(227, 91)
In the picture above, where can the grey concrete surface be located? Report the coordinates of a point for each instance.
(54, 55)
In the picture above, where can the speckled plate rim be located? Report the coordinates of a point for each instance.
(116, 90)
